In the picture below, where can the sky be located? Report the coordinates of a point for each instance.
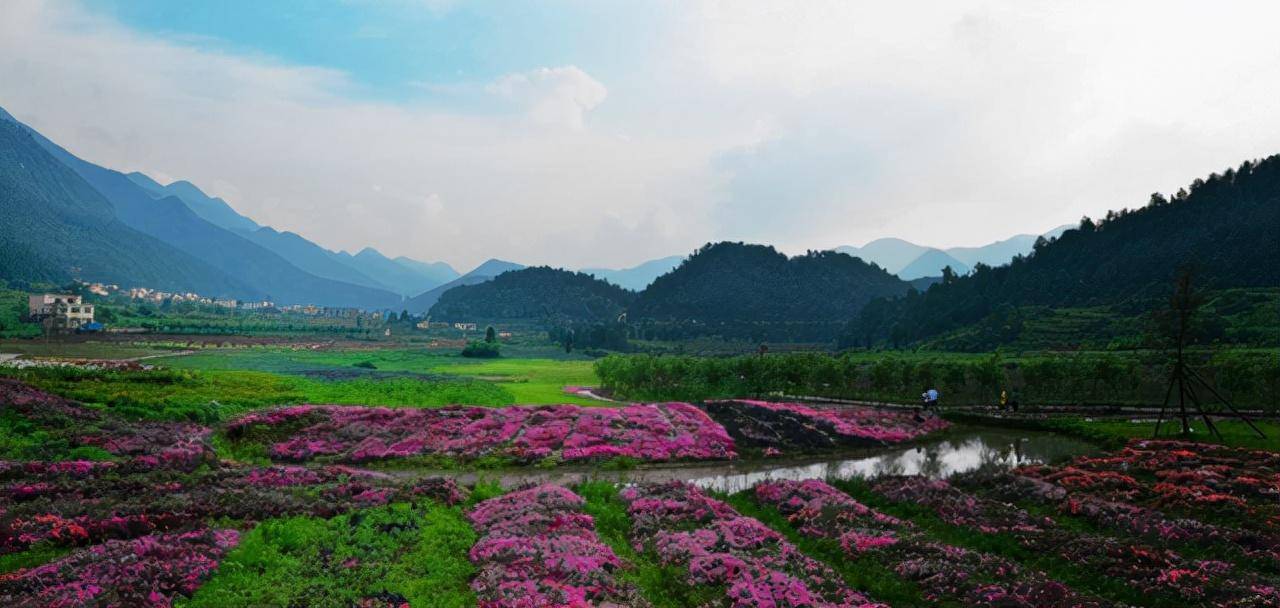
(601, 133)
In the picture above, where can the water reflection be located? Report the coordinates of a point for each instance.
(960, 450)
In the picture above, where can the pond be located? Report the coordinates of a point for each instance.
(960, 449)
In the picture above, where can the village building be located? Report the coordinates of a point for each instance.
(59, 312)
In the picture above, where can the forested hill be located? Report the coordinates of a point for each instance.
(55, 227)
(539, 293)
(1226, 229)
(735, 282)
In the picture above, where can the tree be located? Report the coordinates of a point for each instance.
(490, 335)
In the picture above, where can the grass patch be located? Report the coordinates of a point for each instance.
(404, 552)
(528, 380)
(215, 395)
(1113, 434)
(37, 555)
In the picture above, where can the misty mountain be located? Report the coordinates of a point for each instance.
(398, 277)
(491, 268)
(930, 264)
(369, 268)
(1000, 253)
(172, 221)
(639, 276)
(308, 256)
(540, 293)
(897, 255)
(57, 227)
(891, 254)
(440, 272)
(211, 209)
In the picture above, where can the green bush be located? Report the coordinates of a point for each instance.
(482, 350)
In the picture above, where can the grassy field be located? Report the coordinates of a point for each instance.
(528, 380)
(399, 553)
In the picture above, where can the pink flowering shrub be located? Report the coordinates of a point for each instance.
(145, 571)
(73, 504)
(1149, 569)
(794, 426)
(717, 546)
(941, 571)
(657, 432)
(138, 445)
(537, 548)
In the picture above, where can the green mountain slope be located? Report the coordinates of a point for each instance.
(423, 302)
(540, 293)
(730, 282)
(57, 227)
(170, 220)
(211, 209)
(1224, 229)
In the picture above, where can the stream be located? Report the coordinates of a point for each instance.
(960, 449)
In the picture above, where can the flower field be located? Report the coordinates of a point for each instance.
(658, 432)
(118, 512)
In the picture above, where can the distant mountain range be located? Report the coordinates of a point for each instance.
(636, 277)
(403, 276)
(422, 303)
(911, 261)
(192, 241)
(57, 227)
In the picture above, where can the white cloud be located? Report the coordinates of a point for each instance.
(806, 124)
(552, 96)
(287, 146)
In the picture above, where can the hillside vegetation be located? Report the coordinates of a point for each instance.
(1223, 229)
(57, 227)
(755, 292)
(539, 293)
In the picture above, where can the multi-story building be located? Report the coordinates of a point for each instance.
(59, 312)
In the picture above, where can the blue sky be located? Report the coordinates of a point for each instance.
(390, 49)
(591, 133)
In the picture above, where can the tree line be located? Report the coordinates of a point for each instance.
(1249, 378)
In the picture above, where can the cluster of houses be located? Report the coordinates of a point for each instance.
(67, 312)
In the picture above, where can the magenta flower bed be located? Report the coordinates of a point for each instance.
(717, 546)
(139, 445)
(146, 571)
(658, 432)
(941, 571)
(1150, 570)
(888, 426)
(537, 548)
(79, 503)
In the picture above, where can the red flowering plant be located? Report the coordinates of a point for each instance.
(537, 548)
(717, 546)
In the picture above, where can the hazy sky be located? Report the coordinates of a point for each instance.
(597, 133)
